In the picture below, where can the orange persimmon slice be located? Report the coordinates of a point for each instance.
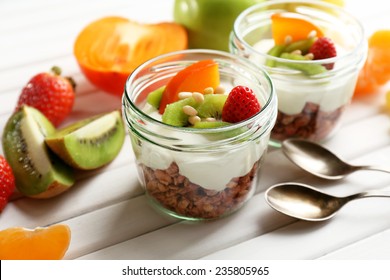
(196, 77)
(376, 70)
(109, 49)
(50, 243)
(292, 25)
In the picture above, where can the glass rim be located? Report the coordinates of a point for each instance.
(265, 109)
(361, 45)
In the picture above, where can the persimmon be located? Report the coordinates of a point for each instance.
(42, 243)
(292, 25)
(194, 78)
(376, 70)
(109, 49)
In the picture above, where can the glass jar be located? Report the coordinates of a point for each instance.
(192, 173)
(309, 106)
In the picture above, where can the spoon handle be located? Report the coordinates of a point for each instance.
(371, 193)
(375, 168)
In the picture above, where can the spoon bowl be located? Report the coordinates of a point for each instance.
(319, 161)
(308, 203)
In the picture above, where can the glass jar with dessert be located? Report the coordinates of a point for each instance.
(199, 123)
(313, 52)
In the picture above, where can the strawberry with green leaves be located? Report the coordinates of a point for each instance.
(51, 94)
(7, 182)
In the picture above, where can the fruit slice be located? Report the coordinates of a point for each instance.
(376, 70)
(154, 98)
(292, 25)
(212, 106)
(195, 77)
(38, 172)
(50, 243)
(308, 69)
(174, 114)
(89, 143)
(109, 49)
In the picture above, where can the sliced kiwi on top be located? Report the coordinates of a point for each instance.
(212, 106)
(38, 172)
(308, 69)
(154, 97)
(89, 143)
(174, 115)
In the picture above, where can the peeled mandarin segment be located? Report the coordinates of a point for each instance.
(376, 70)
(293, 25)
(195, 77)
(109, 49)
(50, 243)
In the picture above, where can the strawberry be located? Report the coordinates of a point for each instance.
(240, 105)
(7, 182)
(324, 48)
(51, 94)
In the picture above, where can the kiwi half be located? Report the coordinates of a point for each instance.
(38, 172)
(89, 143)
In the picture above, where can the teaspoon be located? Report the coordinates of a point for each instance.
(307, 203)
(319, 161)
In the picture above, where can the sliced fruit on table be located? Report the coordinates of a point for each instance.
(194, 78)
(109, 49)
(7, 182)
(42, 243)
(38, 172)
(89, 143)
(290, 27)
(376, 70)
(50, 93)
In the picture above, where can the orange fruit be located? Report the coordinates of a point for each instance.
(109, 49)
(376, 70)
(49, 243)
(196, 77)
(294, 25)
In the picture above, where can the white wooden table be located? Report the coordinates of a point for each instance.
(107, 211)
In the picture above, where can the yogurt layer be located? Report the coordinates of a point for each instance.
(211, 170)
(295, 89)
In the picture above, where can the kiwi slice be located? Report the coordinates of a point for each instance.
(89, 143)
(308, 69)
(38, 172)
(174, 115)
(154, 97)
(276, 51)
(302, 45)
(204, 124)
(212, 106)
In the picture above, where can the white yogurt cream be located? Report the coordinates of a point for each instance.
(293, 93)
(211, 170)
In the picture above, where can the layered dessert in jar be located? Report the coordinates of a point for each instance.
(313, 53)
(200, 124)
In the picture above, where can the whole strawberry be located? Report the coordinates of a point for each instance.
(324, 48)
(51, 94)
(7, 182)
(240, 105)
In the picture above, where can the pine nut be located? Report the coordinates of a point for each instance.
(309, 56)
(194, 119)
(210, 119)
(184, 94)
(189, 110)
(219, 90)
(312, 34)
(299, 52)
(208, 90)
(199, 98)
(288, 39)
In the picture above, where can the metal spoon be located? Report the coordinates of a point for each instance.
(307, 203)
(319, 161)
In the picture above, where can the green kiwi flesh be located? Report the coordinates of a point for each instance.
(154, 98)
(90, 143)
(38, 172)
(212, 106)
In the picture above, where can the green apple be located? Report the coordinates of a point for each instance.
(209, 22)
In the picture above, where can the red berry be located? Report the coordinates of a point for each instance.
(7, 182)
(240, 105)
(324, 48)
(51, 94)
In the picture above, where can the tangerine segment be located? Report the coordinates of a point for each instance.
(194, 78)
(376, 70)
(109, 49)
(49, 243)
(292, 25)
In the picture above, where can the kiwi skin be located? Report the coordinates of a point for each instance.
(38, 172)
(90, 143)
